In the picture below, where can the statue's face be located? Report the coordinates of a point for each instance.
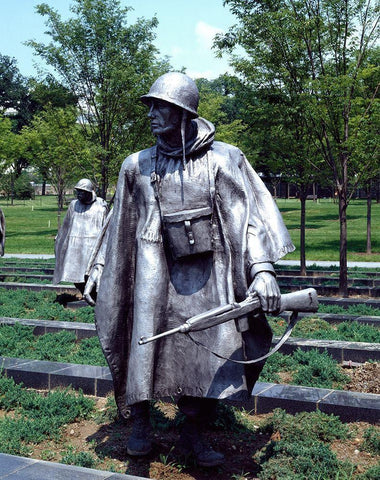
(84, 196)
(165, 118)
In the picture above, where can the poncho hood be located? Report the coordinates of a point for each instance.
(202, 138)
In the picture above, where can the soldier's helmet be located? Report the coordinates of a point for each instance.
(176, 88)
(85, 184)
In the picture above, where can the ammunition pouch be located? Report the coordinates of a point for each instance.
(189, 232)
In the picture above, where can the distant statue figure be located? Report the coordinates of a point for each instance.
(2, 233)
(78, 234)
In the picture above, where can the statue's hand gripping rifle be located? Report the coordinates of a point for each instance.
(300, 301)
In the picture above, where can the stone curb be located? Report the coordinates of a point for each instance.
(350, 406)
(20, 468)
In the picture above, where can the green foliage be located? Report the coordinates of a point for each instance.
(107, 64)
(22, 187)
(36, 417)
(109, 413)
(14, 92)
(308, 368)
(18, 341)
(359, 309)
(21, 303)
(57, 147)
(276, 363)
(302, 452)
(317, 328)
(317, 369)
(370, 474)
(371, 442)
(80, 459)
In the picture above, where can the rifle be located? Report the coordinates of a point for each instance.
(300, 301)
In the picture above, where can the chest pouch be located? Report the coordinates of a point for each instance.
(189, 232)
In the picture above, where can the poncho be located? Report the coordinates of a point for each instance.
(76, 239)
(145, 290)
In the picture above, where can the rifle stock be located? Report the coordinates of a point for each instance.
(301, 301)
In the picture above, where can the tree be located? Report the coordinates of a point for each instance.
(10, 151)
(107, 64)
(54, 144)
(314, 51)
(218, 104)
(14, 97)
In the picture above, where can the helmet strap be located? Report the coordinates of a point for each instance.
(183, 137)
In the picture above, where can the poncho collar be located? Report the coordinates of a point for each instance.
(204, 133)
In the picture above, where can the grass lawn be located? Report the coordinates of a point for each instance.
(32, 226)
(322, 229)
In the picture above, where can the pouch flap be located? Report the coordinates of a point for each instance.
(184, 215)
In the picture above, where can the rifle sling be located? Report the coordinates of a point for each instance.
(292, 322)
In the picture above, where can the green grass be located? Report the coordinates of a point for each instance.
(18, 341)
(319, 329)
(322, 229)
(35, 417)
(42, 305)
(33, 224)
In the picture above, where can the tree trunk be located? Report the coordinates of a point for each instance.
(12, 189)
(369, 205)
(104, 181)
(343, 274)
(303, 193)
(43, 190)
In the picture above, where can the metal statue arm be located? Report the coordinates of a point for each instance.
(301, 301)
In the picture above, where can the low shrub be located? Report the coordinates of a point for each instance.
(80, 459)
(18, 341)
(371, 442)
(316, 369)
(317, 328)
(36, 417)
(299, 449)
(308, 368)
(42, 305)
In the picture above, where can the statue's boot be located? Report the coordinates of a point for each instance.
(198, 412)
(192, 442)
(139, 442)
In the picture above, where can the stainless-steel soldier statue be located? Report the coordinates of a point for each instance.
(78, 234)
(193, 228)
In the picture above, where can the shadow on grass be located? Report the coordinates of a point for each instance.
(227, 434)
(50, 232)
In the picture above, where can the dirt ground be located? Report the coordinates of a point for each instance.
(107, 441)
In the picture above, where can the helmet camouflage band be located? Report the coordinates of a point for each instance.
(85, 184)
(176, 88)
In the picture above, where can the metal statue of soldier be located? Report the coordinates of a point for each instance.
(77, 236)
(193, 227)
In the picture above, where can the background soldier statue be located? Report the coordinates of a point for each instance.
(78, 234)
(193, 227)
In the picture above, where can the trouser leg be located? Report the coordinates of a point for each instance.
(198, 412)
(139, 442)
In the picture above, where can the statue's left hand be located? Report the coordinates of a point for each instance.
(92, 284)
(268, 291)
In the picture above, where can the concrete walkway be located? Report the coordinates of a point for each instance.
(21, 468)
(326, 263)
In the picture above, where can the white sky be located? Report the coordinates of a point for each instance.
(185, 31)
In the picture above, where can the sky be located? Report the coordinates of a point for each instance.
(185, 31)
